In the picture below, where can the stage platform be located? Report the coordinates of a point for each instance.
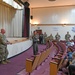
(18, 45)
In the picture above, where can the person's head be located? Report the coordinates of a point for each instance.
(3, 31)
(35, 32)
(67, 32)
(51, 34)
(44, 32)
(69, 50)
(73, 55)
(57, 33)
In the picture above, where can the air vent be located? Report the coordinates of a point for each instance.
(51, 0)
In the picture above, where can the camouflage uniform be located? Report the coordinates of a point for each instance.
(35, 44)
(57, 37)
(44, 38)
(74, 37)
(47, 39)
(51, 37)
(67, 37)
(3, 47)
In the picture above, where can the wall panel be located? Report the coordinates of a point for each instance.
(54, 15)
(62, 30)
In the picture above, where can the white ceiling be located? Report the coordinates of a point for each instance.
(46, 3)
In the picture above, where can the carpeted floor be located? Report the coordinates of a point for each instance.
(17, 63)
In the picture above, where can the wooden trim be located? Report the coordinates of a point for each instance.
(29, 65)
(17, 41)
(7, 5)
(53, 24)
(52, 6)
(35, 63)
(60, 63)
(56, 58)
(53, 68)
(54, 62)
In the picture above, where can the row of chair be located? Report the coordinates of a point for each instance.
(36, 60)
(56, 62)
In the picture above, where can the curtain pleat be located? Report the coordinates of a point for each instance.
(11, 21)
(26, 22)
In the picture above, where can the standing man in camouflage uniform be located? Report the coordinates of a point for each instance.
(35, 43)
(57, 37)
(44, 38)
(51, 37)
(67, 36)
(3, 47)
(74, 37)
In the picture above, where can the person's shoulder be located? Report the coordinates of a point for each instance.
(69, 52)
(65, 34)
(0, 34)
(73, 61)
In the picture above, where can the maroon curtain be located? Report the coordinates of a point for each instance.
(26, 22)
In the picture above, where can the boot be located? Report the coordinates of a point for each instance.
(7, 61)
(3, 62)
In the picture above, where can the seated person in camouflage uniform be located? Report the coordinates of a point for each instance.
(3, 47)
